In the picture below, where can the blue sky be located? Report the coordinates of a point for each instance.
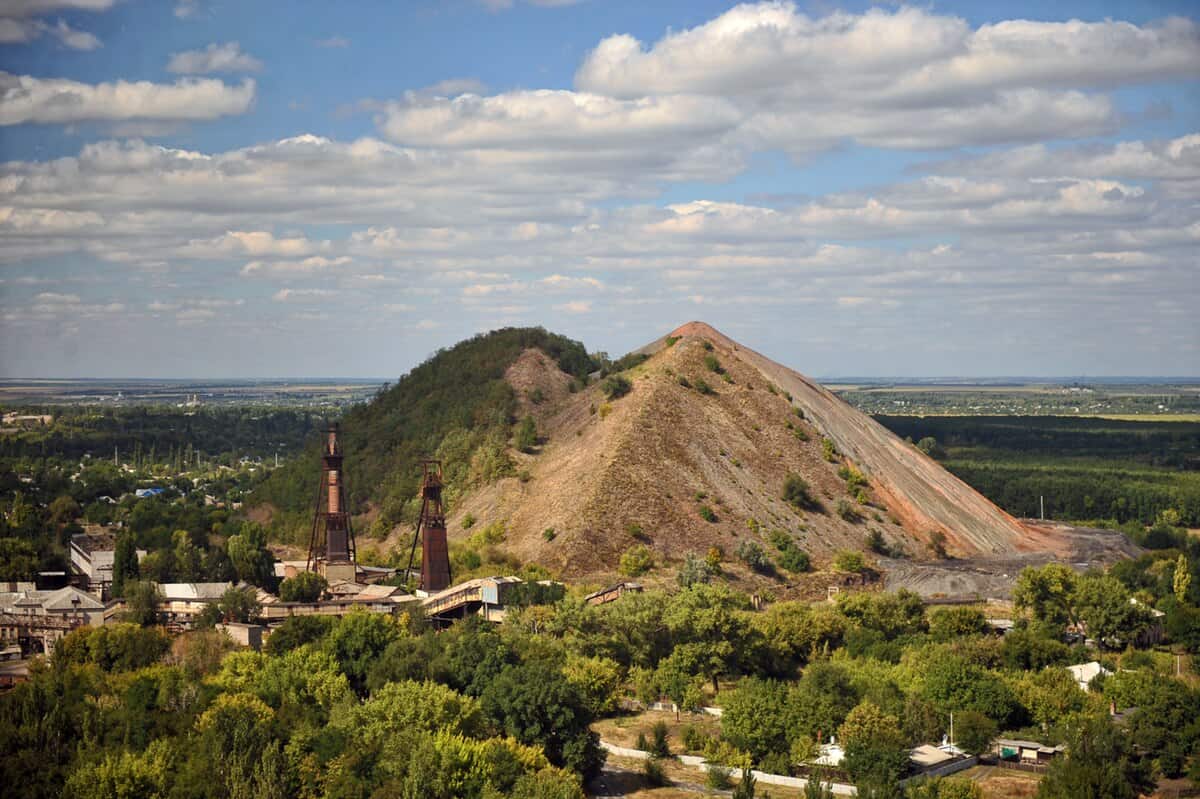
(265, 188)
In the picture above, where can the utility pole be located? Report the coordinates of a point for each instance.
(1042, 504)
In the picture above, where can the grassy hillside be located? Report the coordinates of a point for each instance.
(1085, 468)
(456, 406)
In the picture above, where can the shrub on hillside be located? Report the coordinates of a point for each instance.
(527, 435)
(616, 386)
(753, 555)
(795, 560)
(702, 387)
(797, 492)
(848, 511)
(636, 561)
(849, 561)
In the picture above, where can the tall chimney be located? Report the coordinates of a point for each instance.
(331, 550)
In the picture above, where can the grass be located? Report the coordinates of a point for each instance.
(1146, 417)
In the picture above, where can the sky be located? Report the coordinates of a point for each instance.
(197, 188)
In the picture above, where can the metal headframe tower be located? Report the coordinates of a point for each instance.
(331, 550)
(431, 529)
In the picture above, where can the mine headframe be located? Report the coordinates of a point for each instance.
(331, 549)
(431, 530)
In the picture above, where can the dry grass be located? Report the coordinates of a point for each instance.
(664, 444)
(1002, 783)
(624, 730)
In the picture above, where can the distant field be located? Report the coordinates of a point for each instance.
(294, 392)
(1127, 469)
(1163, 401)
(1150, 417)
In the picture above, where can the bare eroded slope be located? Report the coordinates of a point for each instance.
(643, 467)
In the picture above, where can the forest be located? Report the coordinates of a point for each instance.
(1093, 470)
(144, 435)
(374, 705)
(455, 406)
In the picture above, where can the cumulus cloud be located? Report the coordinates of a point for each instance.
(1172, 160)
(907, 78)
(227, 57)
(307, 266)
(909, 55)
(20, 30)
(480, 209)
(25, 99)
(253, 243)
(302, 295)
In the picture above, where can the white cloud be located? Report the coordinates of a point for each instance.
(187, 9)
(317, 263)
(74, 39)
(227, 57)
(1173, 160)
(34, 8)
(333, 42)
(20, 23)
(907, 78)
(21, 30)
(908, 55)
(575, 306)
(255, 243)
(302, 295)
(25, 99)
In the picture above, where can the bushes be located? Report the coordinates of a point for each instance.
(848, 511)
(636, 561)
(796, 492)
(114, 647)
(527, 435)
(712, 364)
(848, 560)
(616, 386)
(795, 560)
(753, 555)
(693, 571)
(703, 388)
(707, 514)
(791, 557)
(829, 450)
(304, 587)
(652, 770)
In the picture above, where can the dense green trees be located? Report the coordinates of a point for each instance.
(304, 587)
(373, 705)
(125, 563)
(1100, 604)
(456, 404)
(535, 704)
(1100, 763)
(251, 559)
(1085, 468)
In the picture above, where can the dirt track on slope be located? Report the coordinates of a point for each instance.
(993, 576)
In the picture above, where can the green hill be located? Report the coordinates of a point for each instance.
(455, 406)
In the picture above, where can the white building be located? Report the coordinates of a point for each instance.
(1084, 673)
(92, 556)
